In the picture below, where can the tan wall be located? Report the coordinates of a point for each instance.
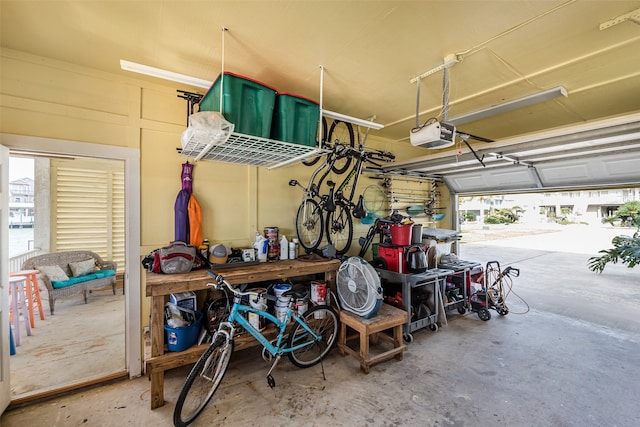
(46, 98)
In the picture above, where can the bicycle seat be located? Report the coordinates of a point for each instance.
(297, 291)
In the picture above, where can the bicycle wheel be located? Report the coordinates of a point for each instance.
(202, 382)
(309, 224)
(340, 228)
(341, 133)
(323, 321)
(322, 144)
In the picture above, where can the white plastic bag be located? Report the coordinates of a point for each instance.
(207, 127)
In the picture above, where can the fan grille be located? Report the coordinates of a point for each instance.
(358, 287)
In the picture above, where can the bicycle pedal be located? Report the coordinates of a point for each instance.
(271, 381)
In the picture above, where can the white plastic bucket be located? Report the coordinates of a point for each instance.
(282, 303)
(281, 310)
(280, 289)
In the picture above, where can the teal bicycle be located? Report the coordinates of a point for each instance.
(306, 339)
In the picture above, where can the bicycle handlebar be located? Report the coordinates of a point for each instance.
(220, 282)
(346, 151)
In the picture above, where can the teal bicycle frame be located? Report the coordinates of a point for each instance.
(236, 316)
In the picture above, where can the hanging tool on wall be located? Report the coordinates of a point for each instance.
(187, 211)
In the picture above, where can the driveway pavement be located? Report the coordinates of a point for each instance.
(587, 325)
(554, 274)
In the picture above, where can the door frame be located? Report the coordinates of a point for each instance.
(131, 159)
(5, 388)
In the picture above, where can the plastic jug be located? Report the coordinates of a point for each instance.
(261, 246)
(284, 248)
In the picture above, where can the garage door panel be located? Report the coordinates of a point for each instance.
(629, 166)
(589, 171)
(516, 177)
(562, 173)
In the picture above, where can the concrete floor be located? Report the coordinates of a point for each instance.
(566, 355)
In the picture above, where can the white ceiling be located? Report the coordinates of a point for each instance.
(370, 51)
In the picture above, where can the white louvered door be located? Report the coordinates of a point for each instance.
(87, 207)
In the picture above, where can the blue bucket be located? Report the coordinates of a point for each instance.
(180, 339)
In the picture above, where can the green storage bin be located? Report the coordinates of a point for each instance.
(246, 103)
(295, 119)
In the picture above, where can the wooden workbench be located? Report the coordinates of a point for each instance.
(160, 286)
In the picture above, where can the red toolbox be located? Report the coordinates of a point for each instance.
(394, 257)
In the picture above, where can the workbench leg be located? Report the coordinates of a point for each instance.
(157, 389)
(157, 349)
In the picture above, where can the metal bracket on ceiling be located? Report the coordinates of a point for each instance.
(631, 16)
(513, 160)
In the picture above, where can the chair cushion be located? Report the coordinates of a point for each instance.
(100, 274)
(53, 272)
(80, 268)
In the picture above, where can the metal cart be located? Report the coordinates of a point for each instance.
(462, 268)
(433, 278)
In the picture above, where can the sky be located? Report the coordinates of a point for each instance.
(20, 167)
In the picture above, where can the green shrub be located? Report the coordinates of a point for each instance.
(625, 249)
(492, 219)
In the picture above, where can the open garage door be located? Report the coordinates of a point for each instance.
(602, 153)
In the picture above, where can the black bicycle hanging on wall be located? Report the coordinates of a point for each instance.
(338, 204)
(339, 133)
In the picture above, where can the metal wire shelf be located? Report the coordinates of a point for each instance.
(248, 150)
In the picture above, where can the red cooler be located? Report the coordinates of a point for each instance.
(394, 256)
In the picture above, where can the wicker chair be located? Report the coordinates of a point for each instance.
(63, 259)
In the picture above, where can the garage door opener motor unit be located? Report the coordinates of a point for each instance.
(433, 135)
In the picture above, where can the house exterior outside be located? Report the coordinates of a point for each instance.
(21, 197)
(574, 206)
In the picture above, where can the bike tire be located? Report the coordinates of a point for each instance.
(341, 133)
(339, 228)
(322, 144)
(322, 320)
(197, 390)
(309, 224)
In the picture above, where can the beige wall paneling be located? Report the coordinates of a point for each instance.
(51, 99)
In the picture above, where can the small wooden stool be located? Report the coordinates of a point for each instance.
(388, 317)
